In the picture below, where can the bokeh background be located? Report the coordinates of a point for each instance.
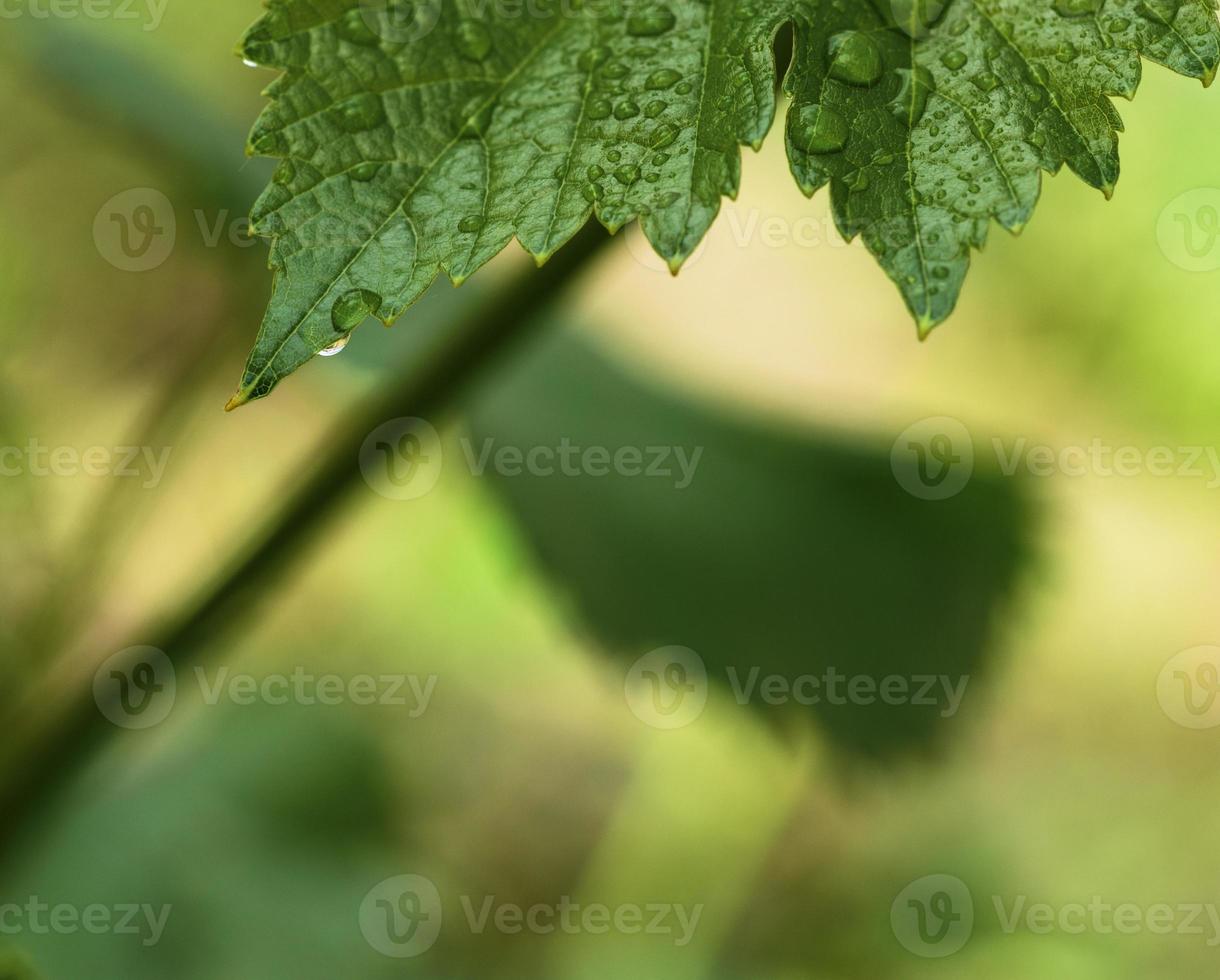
(787, 359)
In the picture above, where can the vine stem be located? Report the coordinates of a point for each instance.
(79, 729)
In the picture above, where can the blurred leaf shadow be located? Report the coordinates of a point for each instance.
(790, 552)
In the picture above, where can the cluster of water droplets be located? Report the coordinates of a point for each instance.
(607, 180)
(854, 57)
(607, 183)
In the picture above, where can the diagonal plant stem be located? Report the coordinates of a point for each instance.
(66, 736)
(66, 742)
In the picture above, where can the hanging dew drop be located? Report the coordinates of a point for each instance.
(335, 348)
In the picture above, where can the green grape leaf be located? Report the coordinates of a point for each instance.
(421, 137)
(969, 101)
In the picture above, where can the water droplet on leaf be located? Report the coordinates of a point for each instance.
(650, 22)
(352, 308)
(817, 129)
(855, 58)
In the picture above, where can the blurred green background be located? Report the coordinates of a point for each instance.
(784, 357)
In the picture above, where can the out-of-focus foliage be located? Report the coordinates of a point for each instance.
(257, 834)
(767, 551)
(528, 778)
